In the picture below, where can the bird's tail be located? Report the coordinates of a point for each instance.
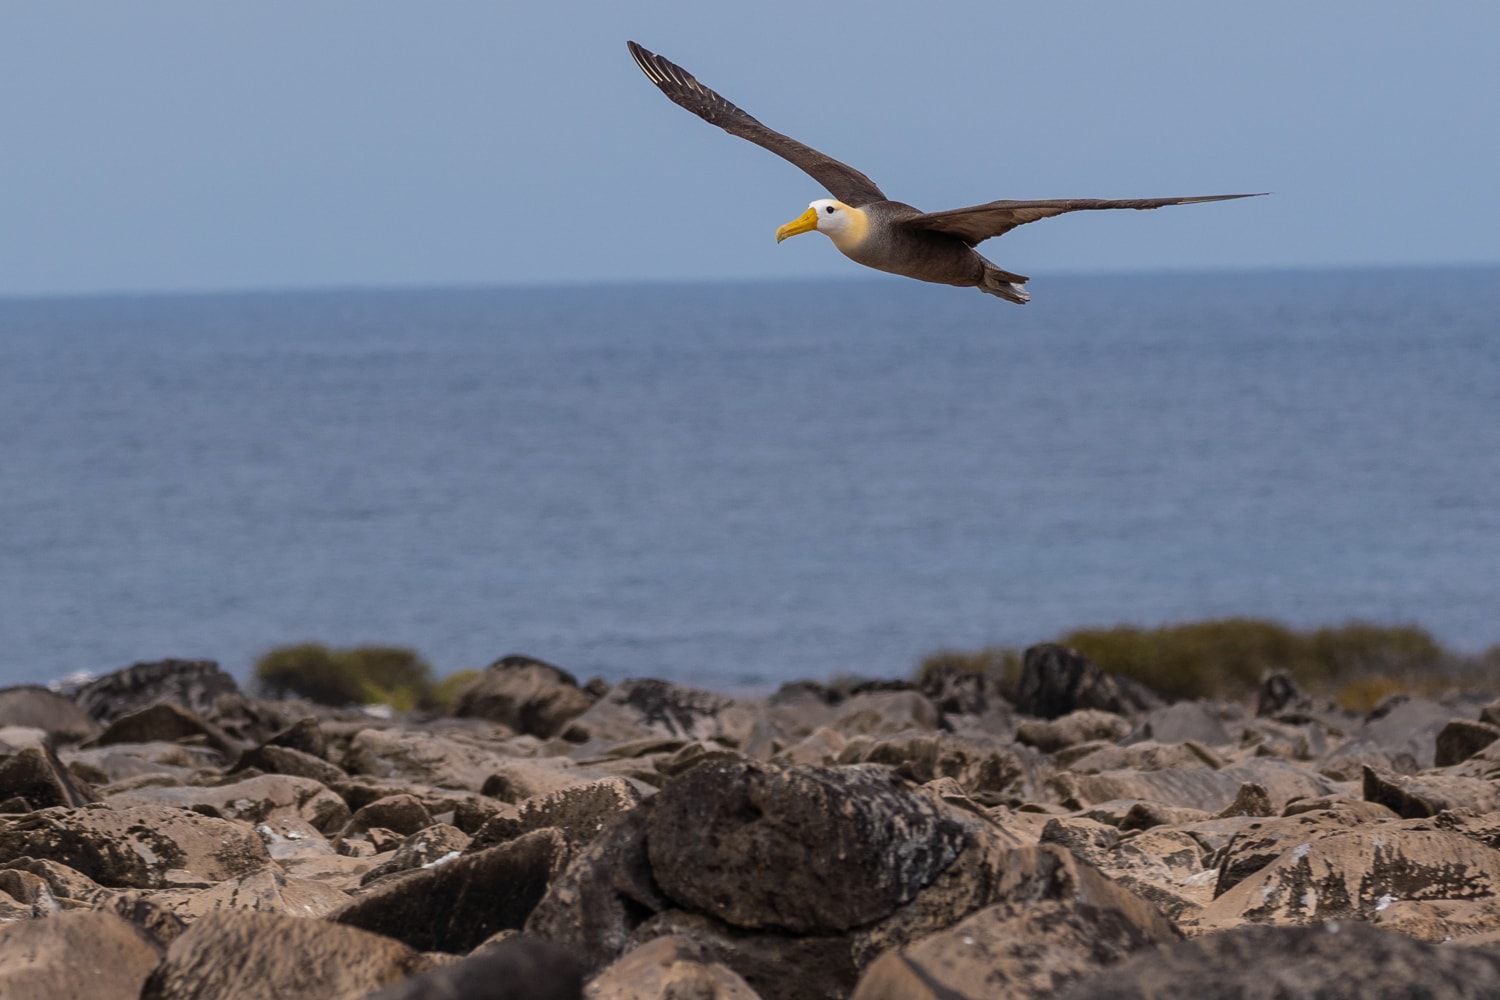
(1007, 285)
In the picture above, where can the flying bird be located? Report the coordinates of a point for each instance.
(871, 229)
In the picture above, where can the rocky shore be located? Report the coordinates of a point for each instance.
(163, 835)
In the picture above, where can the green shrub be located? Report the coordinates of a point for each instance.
(364, 675)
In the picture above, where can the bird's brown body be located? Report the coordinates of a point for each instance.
(873, 230)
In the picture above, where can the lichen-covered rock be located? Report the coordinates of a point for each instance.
(265, 956)
(1264, 840)
(1356, 875)
(145, 847)
(847, 845)
(193, 684)
(1327, 960)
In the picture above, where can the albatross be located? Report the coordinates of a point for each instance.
(871, 229)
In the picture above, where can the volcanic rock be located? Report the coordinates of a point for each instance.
(1056, 680)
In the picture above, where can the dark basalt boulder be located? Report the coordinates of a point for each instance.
(517, 968)
(455, 905)
(1323, 961)
(529, 696)
(165, 722)
(847, 845)
(35, 775)
(1056, 680)
(193, 684)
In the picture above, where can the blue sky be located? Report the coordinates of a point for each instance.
(191, 145)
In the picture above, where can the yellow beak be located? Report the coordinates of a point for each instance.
(804, 223)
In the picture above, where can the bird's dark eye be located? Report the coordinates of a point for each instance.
(828, 209)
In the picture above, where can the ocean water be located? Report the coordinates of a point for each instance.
(737, 485)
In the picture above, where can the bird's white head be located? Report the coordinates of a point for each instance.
(843, 224)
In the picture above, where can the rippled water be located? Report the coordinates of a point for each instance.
(738, 485)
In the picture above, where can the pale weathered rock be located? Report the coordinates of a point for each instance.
(412, 755)
(68, 888)
(1085, 725)
(251, 800)
(1357, 874)
(1147, 755)
(636, 709)
(147, 847)
(430, 846)
(454, 905)
(1406, 725)
(1195, 788)
(1017, 950)
(1343, 959)
(269, 890)
(1184, 721)
(673, 967)
(264, 956)
(105, 765)
(526, 695)
(990, 772)
(59, 717)
(273, 759)
(89, 953)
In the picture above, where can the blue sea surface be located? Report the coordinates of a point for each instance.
(738, 485)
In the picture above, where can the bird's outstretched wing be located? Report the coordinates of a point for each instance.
(980, 222)
(841, 180)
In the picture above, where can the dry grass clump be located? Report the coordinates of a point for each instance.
(1357, 663)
